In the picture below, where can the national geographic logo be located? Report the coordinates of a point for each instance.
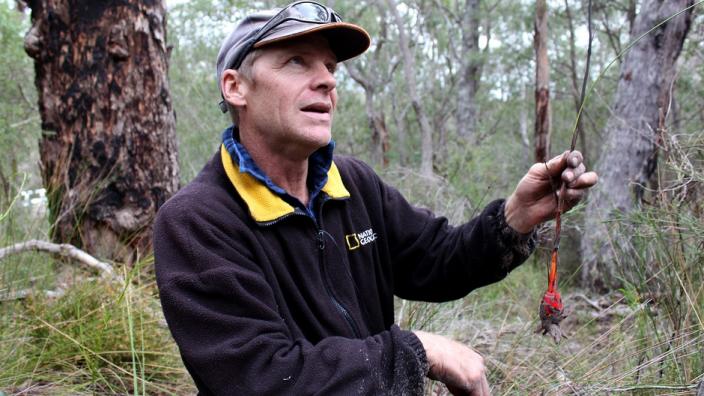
(354, 241)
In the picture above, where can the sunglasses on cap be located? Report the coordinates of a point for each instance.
(302, 11)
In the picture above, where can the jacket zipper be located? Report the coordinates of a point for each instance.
(320, 236)
(345, 313)
(320, 244)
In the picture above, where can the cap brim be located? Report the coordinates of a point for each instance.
(346, 40)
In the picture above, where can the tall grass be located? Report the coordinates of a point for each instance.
(97, 337)
(94, 339)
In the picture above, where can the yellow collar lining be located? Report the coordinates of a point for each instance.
(263, 204)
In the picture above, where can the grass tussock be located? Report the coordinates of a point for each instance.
(97, 338)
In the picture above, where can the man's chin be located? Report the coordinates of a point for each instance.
(320, 137)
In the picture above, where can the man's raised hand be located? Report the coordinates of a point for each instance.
(533, 201)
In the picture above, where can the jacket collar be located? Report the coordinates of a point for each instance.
(265, 204)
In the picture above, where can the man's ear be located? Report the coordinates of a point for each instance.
(233, 88)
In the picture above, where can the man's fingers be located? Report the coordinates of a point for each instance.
(485, 387)
(459, 367)
(584, 180)
(574, 159)
(571, 174)
(556, 165)
(480, 388)
(565, 160)
(455, 391)
(578, 188)
(572, 197)
(479, 385)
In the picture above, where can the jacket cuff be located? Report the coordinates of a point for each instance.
(410, 339)
(515, 245)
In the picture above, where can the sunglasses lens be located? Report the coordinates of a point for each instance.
(309, 12)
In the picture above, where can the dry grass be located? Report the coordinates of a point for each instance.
(98, 338)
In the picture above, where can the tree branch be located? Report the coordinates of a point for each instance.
(357, 74)
(64, 250)
(23, 122)
(22, 294)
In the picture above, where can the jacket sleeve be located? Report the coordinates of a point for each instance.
(223, 315)
(434, 261)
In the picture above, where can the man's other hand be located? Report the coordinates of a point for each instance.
(533, 201)
(456, 365)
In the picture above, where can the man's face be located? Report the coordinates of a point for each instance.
(291, 98)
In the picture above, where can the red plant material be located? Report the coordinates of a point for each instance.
(551, 308)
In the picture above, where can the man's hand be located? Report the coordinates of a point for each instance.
(533, 201)
(459, 367)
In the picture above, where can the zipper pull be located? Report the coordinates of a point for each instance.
(320, 238)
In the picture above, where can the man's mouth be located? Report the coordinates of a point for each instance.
(318, 107)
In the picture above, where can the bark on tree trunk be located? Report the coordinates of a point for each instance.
(469, 72)
(109, 155)
(628, 158)
(542, 83)
(523, 125)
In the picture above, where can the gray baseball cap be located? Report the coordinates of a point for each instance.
(295, 20)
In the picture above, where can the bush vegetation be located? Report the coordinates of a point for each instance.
(101, 337)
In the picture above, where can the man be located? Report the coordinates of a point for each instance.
(277, 265)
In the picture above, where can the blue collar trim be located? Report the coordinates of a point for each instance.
(318, 166)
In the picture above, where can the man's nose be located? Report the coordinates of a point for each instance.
(324, 79)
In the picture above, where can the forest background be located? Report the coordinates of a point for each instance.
(444, 107)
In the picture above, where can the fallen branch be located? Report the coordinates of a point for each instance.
(584, 298)
(22, 294)
(64, 250)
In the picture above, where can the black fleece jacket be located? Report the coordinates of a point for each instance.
(299, 306)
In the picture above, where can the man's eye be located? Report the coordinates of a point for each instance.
(296, 60)
(332, 68)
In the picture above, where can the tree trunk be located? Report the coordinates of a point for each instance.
(631, 15)
(409, 69)
(377, 125)
(375, 117)
(523, 125)
(469, 72)
(542, 83)
(629, 156)
(109, 155)
(399, 118)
